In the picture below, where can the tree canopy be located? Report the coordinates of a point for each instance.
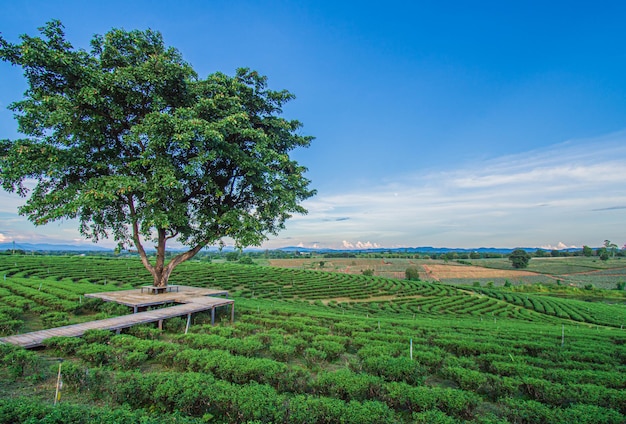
(519, 258)
(128, 139)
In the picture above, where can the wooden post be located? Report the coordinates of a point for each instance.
(213, 315)
(232, 312)
(160, 324)
(57, 394)
(135, 309)
(188, 323)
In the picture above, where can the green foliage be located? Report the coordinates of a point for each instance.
(128, 139)
(55, 319)
(347, 385)
(395, 369)
(97, 336)
(20, 362)
(64, 345)
(519, 258)
(412, 273)
(432, 417)
(10, 319)
(232, 256)
(479, 355)
(31, 411)
(246, 260)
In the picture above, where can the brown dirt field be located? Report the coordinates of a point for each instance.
(369, 299)
(444, 272)
(395, 268)
(381, 267)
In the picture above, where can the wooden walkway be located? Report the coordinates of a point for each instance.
(191, 305)
(137, 299)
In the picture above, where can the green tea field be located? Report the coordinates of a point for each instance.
(309, 346)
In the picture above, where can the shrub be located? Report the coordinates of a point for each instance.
(20, 362)
(331, 349)
(347, 385)
(454, 402)
(10, 319)
(27, 410)
(395, 369)
(434, 416)
(144, 332)
(466, 379)
(282, 352)
(97, 336)
(64, 345)
(96, 354)
(590, 413)
(175, 324)
(313, 356)
(412, 273)
(55, 319)
(528, 411)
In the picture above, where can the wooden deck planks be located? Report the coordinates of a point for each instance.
(191, 305)
(135, 298)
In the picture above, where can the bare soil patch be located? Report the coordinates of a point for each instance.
(446, 271)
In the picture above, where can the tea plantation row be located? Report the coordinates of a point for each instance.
(303, 352)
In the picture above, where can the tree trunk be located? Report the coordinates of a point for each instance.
(160, 275)
(160, 279)
(160, 271)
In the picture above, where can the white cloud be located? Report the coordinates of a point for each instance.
(367, 245)
(359, 245)
(559, 246)
(582, 174)
(571, 191)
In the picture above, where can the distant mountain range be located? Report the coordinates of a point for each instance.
(48, 247)
(420, 249)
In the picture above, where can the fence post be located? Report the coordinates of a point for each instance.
(57, 393)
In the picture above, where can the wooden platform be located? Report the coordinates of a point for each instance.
(137, 298)
(190, 300)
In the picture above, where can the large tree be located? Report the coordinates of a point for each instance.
(128, 139)
(519, 258)
(610, 247)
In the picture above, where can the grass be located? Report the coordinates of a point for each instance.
(556, 266)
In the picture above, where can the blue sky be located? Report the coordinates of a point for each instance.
(456, 124)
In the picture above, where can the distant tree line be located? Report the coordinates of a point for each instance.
(607, 251)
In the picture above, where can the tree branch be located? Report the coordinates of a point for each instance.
(136, 240)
